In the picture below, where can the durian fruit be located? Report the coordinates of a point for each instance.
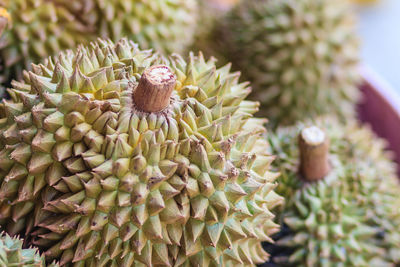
(38, 29)
(13, 255)
(167, 26)
(210, 14)
(342, 196)
(85, 11)
(300, 55)
(210, 11)
(113, 156)
(382, 194)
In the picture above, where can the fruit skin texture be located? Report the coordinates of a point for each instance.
(165, 25)
(41, 28)
(210, 14)
(108, 185)
(12, 254)
(300, 55)
(38, 29)
(347, 218)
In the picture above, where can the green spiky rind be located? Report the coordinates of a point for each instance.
(13, 255)
(167, 26)
(381, 195)
(101, 183)
(327, 230)
(85, 10)
(207, 15)
(38, 29)
(301, 56)
(359, 195)
(207, 32)
(375, 179)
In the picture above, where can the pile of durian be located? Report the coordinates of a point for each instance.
(129, 137)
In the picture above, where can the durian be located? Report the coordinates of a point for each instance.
(300, 55)
(343, 213)
(164, 25)
(38, 29)
(103, 168)
(13, 255)
(210, 13)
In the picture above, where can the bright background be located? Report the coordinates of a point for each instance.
(380, 31)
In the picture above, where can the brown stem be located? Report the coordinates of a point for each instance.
(314, 153)
(154, 89)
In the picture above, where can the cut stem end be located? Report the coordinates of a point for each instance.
(314, 153)
(154, 89)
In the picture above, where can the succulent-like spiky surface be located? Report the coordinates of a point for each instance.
(210, 14)
(12, 254)
(327, 230)
(344, 219)
(300, 55)
(188, 186)
(38, 29)
(165, 25)
(379, 186)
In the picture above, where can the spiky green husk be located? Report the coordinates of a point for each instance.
(327, 230)
(38, 29)
(381, 192)
(347, 218)
(165, 25)
(13, 255)
(300, 55)
(41, 28)
(103, 184)
(210, 14)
